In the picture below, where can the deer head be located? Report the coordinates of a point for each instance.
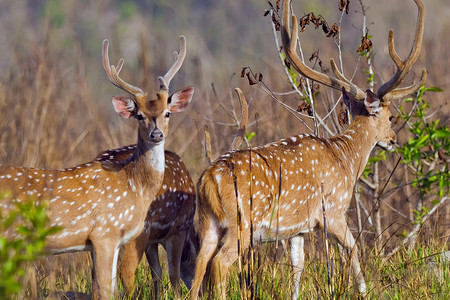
(379, 116)
(153, 114)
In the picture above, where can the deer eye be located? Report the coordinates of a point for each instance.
(391, 118)
(168, 114)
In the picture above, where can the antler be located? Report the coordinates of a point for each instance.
(164, 82)
(290, 49)
(388, 90)
(239, 137)
(113, 73)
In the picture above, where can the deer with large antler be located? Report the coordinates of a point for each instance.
(102, 205)
(295, 173)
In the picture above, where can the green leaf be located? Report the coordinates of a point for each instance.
(441, 133)
(422, 141)
(433, 89)
(250, 135)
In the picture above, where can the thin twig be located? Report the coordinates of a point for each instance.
(321, 121)
(415, 229)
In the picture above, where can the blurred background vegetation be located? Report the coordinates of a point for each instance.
(55, 108)
(56, 45)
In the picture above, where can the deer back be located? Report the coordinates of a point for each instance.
(293, 173)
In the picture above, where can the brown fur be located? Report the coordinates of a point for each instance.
(307, 162)
(207, 189)
(169, 221)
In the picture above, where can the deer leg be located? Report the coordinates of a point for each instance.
(155, 267)
(188, 257)
(298, 262)
(105, 267)
(209, 242)
(222, 262)
(94, 278)
(130, 257)
(341, 231)
(174, 248)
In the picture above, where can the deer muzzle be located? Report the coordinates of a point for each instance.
(156, 136)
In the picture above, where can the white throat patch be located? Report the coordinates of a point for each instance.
(157, 158)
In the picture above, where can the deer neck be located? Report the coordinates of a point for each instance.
(146, 168)
(355, 144)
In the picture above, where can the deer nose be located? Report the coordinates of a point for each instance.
(156, 136)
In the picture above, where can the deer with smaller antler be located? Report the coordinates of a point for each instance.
(102, 205)
(169, 222)
(294, 174)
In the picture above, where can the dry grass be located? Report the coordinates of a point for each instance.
(55, 109)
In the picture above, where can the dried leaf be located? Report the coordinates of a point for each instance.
(320, 64)
(366, 44)
(251, 80)
(344, 4)
(305, 107)
(302, 83)
(319, 22)
(301, 107)
(343, 117)
(244, 71)
(325, 28)
(314, 55)
(315, 20)
(259, 76)
(276, 22)
(334, 31)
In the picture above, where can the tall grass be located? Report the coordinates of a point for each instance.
(422, 273)
(419, 274)
(55, 112)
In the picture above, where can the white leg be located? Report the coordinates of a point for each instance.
(114, 271)
(105, 262)
(298, 262)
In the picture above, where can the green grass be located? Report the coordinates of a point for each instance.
(417, 274)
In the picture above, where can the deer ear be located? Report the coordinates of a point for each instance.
(355, 107)
(179, 100)
(372, 103)
(346, 98)
(124, 106)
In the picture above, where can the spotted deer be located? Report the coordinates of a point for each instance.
(295, 173)
(169, 220)
(102, 205)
